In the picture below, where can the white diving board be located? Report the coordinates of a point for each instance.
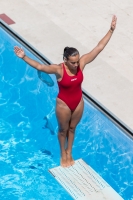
(83, 183)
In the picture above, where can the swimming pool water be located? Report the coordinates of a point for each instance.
(28, 135)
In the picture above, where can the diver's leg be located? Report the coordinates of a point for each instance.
(75, 118)
(63, 114)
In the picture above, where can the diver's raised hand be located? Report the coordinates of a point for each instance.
(113, 23)
(19, 52)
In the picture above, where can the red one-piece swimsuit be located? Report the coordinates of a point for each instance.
(70, 88)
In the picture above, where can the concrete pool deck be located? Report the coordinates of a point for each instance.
(49, 26)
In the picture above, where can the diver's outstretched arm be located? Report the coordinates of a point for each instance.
(89, 57)
(50, 69)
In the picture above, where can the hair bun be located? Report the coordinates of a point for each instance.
(69, 51)
(65, 49)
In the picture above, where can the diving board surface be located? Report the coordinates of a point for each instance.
(83, 183)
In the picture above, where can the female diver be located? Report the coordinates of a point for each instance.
(69, 102)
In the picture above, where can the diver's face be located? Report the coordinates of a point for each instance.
(73, 62)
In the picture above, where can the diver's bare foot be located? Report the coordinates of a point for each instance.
(70, 160)
(63, 160)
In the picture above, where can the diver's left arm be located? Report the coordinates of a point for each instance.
(89, 57)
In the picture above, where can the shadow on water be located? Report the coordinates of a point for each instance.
(48, 125)
(45, 78)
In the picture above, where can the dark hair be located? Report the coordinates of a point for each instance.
(70, 51)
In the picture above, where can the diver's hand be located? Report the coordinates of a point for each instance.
(113, 23)
(19, 52)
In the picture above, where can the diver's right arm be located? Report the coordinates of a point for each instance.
(51, 69)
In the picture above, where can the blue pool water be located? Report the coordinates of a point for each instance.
(28, 135)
